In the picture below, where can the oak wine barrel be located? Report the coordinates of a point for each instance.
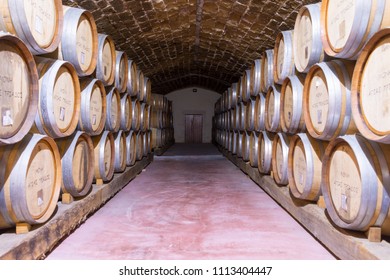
(59, 98)
(39, 24)
(280, 148)
(284, 65)
(327, 100)
(255, 77)
(126, 112)
(239, 143)
(136, 115)
(147, 90)
(77, 159)
(250, 115)
(291, 107)
(140, 145)
(305, 165)
(19, 78)
(106, 61)
(121, 71)
(307, 44)
(370, 89)
(141, 85)
(346, 26)
(272, 109)
(104, 154)
(245, 84)
(246, 145)
(130, 148)
(132, 84)
(267, 70)
(79, 41)
(113, 116)
(120, 151)
(93, 109)
(254, 149)
(355, 183)
(265, 152)
(260, 113)
(30, 180)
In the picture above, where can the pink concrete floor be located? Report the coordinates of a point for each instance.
(190, 207)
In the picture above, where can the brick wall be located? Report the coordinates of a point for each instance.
(180, 43)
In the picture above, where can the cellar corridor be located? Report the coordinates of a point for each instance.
(190, 203)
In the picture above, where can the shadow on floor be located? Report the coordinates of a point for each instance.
(182, 149)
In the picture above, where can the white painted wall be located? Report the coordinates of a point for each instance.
(185, 101)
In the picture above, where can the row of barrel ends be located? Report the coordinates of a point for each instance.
(372, 158)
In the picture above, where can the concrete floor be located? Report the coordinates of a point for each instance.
(191, 203)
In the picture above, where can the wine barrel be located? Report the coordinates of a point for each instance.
(234, 142)
(246, 138)
(231, 141)
(260, 113)
(93, 109)
(355, 183)
(255, 77)
(132, 84)
(126, 112)
(346, 26)
(77, 159)
(254, 149)
(245, 84)
(291, 107)
(232, 124)
(113, 116)
(233, 95)
(305, 165)
(327, 100)
(139, 145)
(120, 151)
(30, 180)
(104, 154)
(144, 116)
(157, 137)
(141, 85)
(121, 71)
(59, 98)
(79, 41)
(250, 115)
(267, 70)
(106, 61)
(136, 115)
(156, 118)
(19, 79)
(370, 89)
(264, 160)
(130, 148)
(307, 44)
(39, 24)
(147, 90)
(280, 147)
(284, 65)
(242, 116)
(239, 144)
(272, 109)
(146, 143)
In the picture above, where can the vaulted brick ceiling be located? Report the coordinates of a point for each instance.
(182, 43)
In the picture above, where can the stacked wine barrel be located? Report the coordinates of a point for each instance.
(74, 110)
(316, 110)
(161, 121)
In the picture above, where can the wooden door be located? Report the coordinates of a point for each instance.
(193, 129)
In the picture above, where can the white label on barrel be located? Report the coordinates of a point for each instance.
(318, 102)
(344, 204)
(345, 184)
(62, 113)
(40, 197)
(7, 117)
(82, 58)
(375, 88)
(94, 119)
(38, 25)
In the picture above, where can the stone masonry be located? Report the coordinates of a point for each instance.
(181, 43)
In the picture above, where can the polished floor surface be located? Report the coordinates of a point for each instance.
(191, 203)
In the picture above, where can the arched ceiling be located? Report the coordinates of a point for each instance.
(183, 43)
